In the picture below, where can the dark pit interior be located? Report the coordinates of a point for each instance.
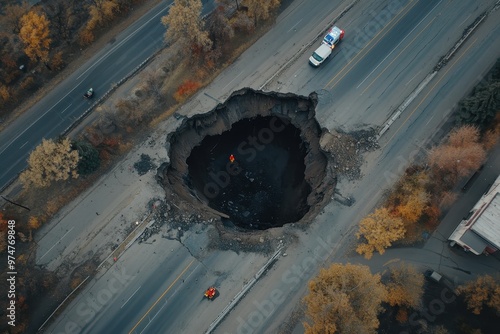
(264, 186)
(280, 173)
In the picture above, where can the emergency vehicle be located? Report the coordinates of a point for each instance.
(332, 38)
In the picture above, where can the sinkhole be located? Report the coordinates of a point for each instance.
(254, 160)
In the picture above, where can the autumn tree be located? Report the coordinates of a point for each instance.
(483, 291)
(378, 231)
(100, 12)
(459, 156)
(405, 286)
(50, 161)
(259, 9)
(35, 35)
(33, 224)
(414, 205)
(344, 299)
(184, 24)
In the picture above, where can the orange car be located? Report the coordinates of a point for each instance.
(210, 293)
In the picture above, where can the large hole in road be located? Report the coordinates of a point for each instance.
(254, 172)
(255, 160)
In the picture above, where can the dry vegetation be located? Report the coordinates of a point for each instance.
(337, 301)
(102, 143)
(350, 299)
(414, 204)
(36, 42)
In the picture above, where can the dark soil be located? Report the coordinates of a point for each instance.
(264, 186)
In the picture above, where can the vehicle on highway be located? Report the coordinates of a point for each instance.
(210, 293)
(89, 93)
(332, 38)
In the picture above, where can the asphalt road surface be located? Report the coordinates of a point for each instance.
(388, 49)
(59, 109)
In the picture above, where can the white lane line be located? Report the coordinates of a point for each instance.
(95, 63)
(429, 119)
(166, 301)
(406, 84)
(464, 20)
(123, 41)
(27, 128)
(62, 112)
(394, 49)
(23, 145)
(56, 243)
(130, 297)
(295, 25)
(223, 88)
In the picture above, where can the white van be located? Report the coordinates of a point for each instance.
(332, 38)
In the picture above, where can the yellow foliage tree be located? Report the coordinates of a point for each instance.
(184, 24)
(34, 223)
(35, 33)
(405, 287)
(415, 205)
(483, 291)
(344, 299)
(378, 231)
(260, 10)
(50, 161)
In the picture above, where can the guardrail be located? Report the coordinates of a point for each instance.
(243, 291)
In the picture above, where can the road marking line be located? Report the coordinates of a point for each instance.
(464, 20)
(130, 297)
(358, 55)
(430, 119)
(80, 76)
(166, 301)
(295, 25)
(23, 145)
(62, 112)
(123, 41)
(430, 90)
(56, 243)
(406, 84)
(162, 295)
(223, 88)
(414, 38)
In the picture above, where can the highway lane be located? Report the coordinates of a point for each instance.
(397, 56)
(332, 227)
(162, 293)
(56, 111)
